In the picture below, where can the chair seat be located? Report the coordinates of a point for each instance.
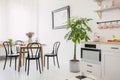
(13, 55)
(32, 57)
(50, 54)
(22, 51)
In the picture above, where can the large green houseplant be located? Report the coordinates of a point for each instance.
(78, 30)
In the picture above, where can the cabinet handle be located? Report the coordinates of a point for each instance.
(89, 65)
(114, 48)
(89, 71)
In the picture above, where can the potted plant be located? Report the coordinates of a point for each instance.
(78, 31)
(10, 40)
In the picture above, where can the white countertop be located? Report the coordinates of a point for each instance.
(101, 42)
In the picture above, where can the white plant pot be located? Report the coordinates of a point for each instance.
(74, 66)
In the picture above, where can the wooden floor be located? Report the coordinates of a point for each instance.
(54, 73)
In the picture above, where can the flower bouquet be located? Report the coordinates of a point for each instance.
(29, 35)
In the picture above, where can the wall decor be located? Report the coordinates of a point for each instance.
(60, 17)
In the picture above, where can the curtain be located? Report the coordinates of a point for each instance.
(17, 17)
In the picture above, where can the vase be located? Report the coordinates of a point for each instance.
(30, 40)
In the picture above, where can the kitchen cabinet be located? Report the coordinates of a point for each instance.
(109, 67)
(90, 63)
(91, 68)
(111, 62)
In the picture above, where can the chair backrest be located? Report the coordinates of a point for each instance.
(33, 49)
(18, 43)
(8, 47)
(55, 47)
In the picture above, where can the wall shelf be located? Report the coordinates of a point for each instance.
(108, 21)
(99, 2)
(110, 8)
(99, 12)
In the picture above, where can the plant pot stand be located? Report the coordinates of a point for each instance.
(81, 77)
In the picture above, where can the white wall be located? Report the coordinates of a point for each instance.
(3, 16)
(81, 8)
(17, 17)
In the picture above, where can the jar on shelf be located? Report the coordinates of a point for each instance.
(113, 2)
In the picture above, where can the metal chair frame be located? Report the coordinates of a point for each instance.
(53, 54)
(9, 53)
(33, 54)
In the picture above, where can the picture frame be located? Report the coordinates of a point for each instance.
(60, 17)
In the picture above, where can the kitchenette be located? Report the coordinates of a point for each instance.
(100, 60)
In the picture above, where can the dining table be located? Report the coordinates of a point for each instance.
(22, 50)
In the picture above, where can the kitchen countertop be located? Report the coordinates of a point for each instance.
(101, 42)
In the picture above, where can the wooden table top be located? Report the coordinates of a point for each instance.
(24, 45)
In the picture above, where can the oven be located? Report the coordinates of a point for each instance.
(91, 53)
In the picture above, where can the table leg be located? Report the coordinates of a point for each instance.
(23, 56)
(42, 59)
(19, 62)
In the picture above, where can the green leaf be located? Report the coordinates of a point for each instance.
(78, 30)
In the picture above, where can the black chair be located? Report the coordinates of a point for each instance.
(53, 54)
(9, 53)
(18, 43)
(33, 54)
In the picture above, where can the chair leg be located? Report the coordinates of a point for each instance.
(44, 61)
(39, 65)
(23, 58)
(54, 60)
(5, 63)
(28, 67)
(57, 61)
(15, 62)
(10, 61)
(47, 62)
(25, 64)
(20, 61)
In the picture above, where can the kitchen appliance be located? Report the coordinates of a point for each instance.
(91, 53)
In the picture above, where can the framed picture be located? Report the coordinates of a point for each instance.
(60, 17)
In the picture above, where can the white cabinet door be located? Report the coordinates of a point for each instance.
(111, 66)
(91, 68)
